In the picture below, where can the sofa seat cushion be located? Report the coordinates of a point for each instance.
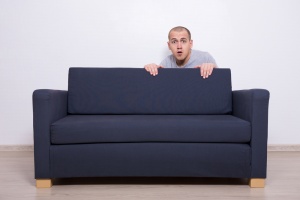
(83, 129)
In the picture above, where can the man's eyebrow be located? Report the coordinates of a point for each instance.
(180, 38)
(172, 39)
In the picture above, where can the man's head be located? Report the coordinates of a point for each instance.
(180, 44)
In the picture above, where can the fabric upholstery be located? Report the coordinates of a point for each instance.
(125, 122)
(135, 91)
(252, 105)
(85, 129)
(48, 107)
(151, 159)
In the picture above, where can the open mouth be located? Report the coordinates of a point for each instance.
(179, 52)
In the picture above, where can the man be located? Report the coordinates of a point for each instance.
(180, 44)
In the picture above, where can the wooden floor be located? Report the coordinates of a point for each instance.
(17, 182)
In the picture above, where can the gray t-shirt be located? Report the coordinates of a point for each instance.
(197, 58)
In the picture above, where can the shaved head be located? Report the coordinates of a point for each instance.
(178, 29)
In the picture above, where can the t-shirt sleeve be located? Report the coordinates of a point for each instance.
(210, 59)
(164, 63)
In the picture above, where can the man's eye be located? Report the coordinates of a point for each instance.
(174, 42)
(183, 41)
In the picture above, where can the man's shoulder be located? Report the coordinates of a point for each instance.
(169, 57)
(198, 52)
(168, 61)
(199, 57)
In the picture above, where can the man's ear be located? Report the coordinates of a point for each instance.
(191, 43)
(169, 45)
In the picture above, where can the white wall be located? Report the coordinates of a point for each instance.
(39, 40)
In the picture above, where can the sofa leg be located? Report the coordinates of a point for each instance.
(257, 182)
(43, 183)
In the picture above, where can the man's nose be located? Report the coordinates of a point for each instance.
(179, 46)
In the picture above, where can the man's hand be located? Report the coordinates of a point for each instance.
(206, 69)
(152, 69)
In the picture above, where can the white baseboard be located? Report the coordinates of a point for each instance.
(284, 147)
(16, 147)
(271, 147)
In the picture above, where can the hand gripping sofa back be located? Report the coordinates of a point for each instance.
(135, 91)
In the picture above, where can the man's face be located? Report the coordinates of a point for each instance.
(180, 45)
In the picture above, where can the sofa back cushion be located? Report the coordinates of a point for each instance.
(135, 91)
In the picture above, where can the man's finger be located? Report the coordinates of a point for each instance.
(151, 71)
(211, 70)
(203, 71)
(155, 71)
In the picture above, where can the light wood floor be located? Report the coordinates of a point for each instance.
(17, 182)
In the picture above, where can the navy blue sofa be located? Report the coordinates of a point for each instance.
(123, 122)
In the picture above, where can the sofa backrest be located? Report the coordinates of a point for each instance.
(135, 91)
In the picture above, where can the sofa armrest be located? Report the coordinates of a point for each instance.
(48, 107)
(252, 105)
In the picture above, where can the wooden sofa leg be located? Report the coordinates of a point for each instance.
(257, 182)
(43, 183)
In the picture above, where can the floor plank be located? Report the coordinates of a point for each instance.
(17, 182)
